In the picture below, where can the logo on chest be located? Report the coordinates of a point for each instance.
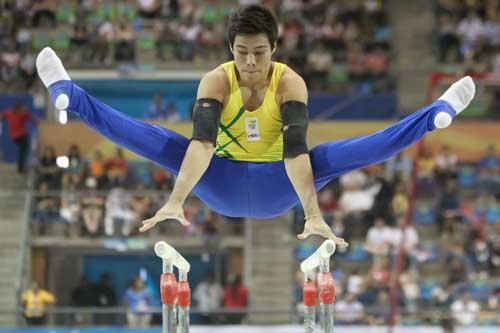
(252, 128)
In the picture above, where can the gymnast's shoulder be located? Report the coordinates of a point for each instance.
(291, 87)
(214, 84)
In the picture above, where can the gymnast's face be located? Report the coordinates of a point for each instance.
(252, 56)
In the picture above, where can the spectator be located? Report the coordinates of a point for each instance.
(92, 206)
(9, 62)
(411, 238)
(17, 120)
(400, 203)
(125, 42)
(48, 171)
(118, 207)
(105, 297)
(355, 282)
(349, 311)
(83, 295)
(447, 38)
(35, 300)
(235, 297)
(489, 170)
(141, 203)
(149, 8)
(74, 173)
(70, 207)
(398, 168)
(465, 311)
(43, 13)
(157, 108)
(172, 115)
(381, 310)
(79, 42)
(96, 169)
(100, 42)
(137, 299)
(208, 298)
(117, 168)
(47, 209)
(446, 164)
(319, 63)
(448, 204)
(471, 33)
(426, 170)
(378, 238)
(211, 227)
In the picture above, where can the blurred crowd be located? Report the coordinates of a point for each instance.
(468, 31)
(334, 45)
(110, 196)
(139, 300)
(456, 224)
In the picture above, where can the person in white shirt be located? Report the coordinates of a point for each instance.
(378, 238)
(349, 310)
(471, 31)
(465, 311)
(208, 298)
(411, 238)
(118, 208)
(355, 282)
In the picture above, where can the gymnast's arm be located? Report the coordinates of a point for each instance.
(206, 116)
(293, 92)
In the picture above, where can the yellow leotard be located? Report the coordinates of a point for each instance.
(253, 136)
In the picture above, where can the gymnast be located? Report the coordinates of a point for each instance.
(248, 155)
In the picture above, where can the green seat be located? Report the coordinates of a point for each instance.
(61, 41)
(145, 41)
(40, 40)
(106, 12)
(338, 75)
(65, 14)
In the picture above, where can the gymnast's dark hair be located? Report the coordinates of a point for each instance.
(251, 20)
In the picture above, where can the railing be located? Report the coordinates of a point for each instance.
(116, 315)
(24, 241)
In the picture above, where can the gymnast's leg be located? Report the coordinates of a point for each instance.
(332, 159)
(153, 142)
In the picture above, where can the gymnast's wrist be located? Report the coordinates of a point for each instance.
(312, 216)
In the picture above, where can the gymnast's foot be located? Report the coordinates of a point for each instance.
(458, 95)
(51, 70)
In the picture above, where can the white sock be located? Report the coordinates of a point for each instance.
(51, 70)
(459, 95)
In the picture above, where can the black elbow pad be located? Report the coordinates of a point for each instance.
(206, 118)
(295, 121)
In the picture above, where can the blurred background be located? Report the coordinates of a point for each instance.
(71, 256)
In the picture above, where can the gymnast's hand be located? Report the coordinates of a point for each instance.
(315, 225)
(171, 211)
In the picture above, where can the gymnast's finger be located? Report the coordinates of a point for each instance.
(303, 235)
(148, 224)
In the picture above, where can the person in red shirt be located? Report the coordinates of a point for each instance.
(17, 119)
(235, 297)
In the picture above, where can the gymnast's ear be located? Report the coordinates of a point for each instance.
(273, 48)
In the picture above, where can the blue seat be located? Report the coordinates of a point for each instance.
(493, 214)
(432, 249)
(467, 176)
(304, 250)
(356, 253)
(426, 288)
(479, 289)
(424, 213)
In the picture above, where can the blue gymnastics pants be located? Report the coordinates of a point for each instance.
(246, 189)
